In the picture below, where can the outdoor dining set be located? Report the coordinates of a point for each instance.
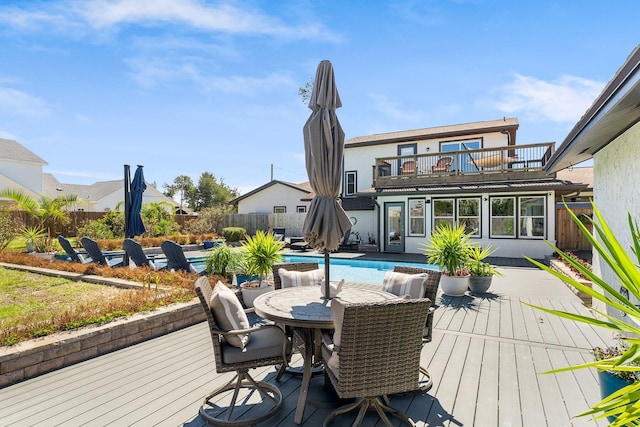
(366, 340)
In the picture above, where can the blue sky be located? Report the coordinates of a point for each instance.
(188, 86)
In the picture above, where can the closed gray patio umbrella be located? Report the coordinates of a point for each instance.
(326, 222)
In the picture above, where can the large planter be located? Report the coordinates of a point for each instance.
(454, 286)
(609, 383)
(479, 284)
(251, 293)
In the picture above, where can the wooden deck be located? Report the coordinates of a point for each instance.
(485, 358)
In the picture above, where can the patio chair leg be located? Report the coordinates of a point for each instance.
(216, 415)
(369, 403)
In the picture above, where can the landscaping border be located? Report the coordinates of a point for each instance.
(38, 356)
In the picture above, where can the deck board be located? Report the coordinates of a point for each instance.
(486, 359)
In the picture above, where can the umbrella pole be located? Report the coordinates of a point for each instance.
(327, 284)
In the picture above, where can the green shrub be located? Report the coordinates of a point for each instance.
(233, 234)
(9, 227)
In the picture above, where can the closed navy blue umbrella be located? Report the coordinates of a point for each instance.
(135, 226)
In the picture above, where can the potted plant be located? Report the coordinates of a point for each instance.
(611, 380)
(223, 260)
(449, 249)
(619, 403)
(481, 272)
(34, 238)
(261, 252)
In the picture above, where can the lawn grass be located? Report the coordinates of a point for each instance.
(34, 305)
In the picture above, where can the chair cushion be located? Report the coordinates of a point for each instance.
(265, 343)
(337, 311)
(290, 279)
(229, 314)
(402, 284)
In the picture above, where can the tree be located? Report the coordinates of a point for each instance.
(47, 211)
(183, 185)
(210, 193)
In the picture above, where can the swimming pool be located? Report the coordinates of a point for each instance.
(356, 270)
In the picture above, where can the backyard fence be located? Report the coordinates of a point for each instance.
(568, 235)
(291, 222)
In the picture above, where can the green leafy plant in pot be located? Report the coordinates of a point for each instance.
(622, 405)
(223, 260)
(261, 252)
(34, 238)
(481, 272)
(449, 249)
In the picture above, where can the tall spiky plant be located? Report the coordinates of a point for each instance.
(624, 403)
(262, 251)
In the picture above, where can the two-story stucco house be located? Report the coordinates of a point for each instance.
(397, 187)
(609, 133)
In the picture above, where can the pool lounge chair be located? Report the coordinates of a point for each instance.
(99, 257)
(348, 244)
(176, 260)
(135, 253)
(74, 255)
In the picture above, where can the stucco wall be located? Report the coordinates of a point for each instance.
(616, 176)
(27, 174)
(275, 195)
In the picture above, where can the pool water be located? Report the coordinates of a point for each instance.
(356, 270)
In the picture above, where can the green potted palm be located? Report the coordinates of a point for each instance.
(449, 249)
(619, 404)
(261, 252)
(34, 238)
(481, 272)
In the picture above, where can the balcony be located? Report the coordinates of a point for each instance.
(514, 162)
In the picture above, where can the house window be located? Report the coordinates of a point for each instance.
(416, 217)
(351, 183)
(443, 212)
(301, 209)
(279, 209)
(406, 150)
(462, 211)
(532, 215)
(461, 145)
(469, 215)
(503, 217)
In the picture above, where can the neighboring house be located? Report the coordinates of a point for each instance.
(398, 186)
(20, 168)
(609, 133)
(275, 197)
(101, 196)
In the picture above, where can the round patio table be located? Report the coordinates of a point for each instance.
(306, 309)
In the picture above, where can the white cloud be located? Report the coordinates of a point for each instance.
(20, 103)
(562, 100)
(393, 110)
(151, 72)
(109, 14)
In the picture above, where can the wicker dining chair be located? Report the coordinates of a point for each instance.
(295, 335)
(267, 346)
(430, 292)
(291, 266)
(375, 352)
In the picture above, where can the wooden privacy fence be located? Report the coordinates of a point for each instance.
(568, 235)
(291, 222)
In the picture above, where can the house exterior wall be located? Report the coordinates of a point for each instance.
(275, 195)
(505, 247)
(615, 171)
(28, 175)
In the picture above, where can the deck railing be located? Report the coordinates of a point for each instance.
(514, 161)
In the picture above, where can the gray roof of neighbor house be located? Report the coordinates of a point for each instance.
(505, 124)
(96, 191)
(304, 187)
(610, 115)
(12, 150)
